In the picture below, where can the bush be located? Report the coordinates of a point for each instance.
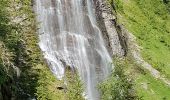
(118, 86)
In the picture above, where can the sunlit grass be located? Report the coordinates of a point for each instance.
(149, 21)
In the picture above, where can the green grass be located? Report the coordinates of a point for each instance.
(149, 21)
(133, 77)
(147, 87)
(156, 90)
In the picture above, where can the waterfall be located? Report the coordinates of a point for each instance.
(69, 33)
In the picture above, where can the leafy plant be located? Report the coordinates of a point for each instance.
(118, 86)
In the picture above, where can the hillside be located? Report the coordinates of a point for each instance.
(87, 39)
(149, 22)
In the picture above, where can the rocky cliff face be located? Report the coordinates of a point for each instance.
(107, 21)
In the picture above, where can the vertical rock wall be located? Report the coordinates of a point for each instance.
(111, 32)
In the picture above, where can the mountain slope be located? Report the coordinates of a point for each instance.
(149, 22)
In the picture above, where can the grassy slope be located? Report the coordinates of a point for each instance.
(149, 21)
(146, 86)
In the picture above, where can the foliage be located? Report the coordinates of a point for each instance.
(4, 20)
(68, 89)
(118, 86)
(74, 86)
(47, 85)
(3, 25)
(18, 36)
(2, 74)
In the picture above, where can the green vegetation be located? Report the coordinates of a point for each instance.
(74, 86)
(150, 88)
(4, 29)
(149, 21)
(130, 81)
(118, 86)
(146, 85)
(68, 89)
(19, 50)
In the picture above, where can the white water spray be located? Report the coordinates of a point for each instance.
(69, 33)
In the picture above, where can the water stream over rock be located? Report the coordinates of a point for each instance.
(69, 35)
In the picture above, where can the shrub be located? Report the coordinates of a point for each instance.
(118, 86)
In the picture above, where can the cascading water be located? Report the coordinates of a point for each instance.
(69, 33)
